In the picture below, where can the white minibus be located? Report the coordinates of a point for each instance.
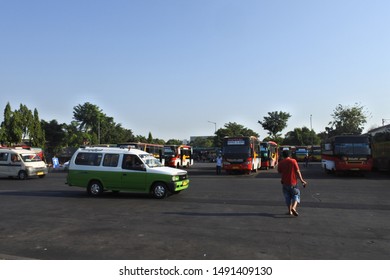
(100, 169)
(21, 163)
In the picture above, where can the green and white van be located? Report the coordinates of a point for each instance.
(122, 169)
(21, 163)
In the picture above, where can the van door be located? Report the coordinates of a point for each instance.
(133, 174)
(4, 162)
(15, 164)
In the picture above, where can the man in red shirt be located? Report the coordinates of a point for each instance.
(289, 169)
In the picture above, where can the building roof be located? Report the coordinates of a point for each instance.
(385, 128)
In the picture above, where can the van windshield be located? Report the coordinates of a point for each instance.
(150, 161)
(30, 157)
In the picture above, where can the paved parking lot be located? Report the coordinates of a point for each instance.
(218, 217)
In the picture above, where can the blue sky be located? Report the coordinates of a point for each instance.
(173, 68)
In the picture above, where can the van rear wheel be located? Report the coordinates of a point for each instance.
(95, 188)
(159, 190)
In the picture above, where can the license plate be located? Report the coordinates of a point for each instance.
(40, 173)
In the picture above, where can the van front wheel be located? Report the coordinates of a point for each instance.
(22, 175)
(159, 190)
(95, 188)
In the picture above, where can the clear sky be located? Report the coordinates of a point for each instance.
(176, 67)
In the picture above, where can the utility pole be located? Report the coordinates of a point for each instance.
(311, 127)
(215, 126)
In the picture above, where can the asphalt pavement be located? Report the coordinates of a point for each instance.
(228, 217)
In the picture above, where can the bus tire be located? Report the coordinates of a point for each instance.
(95, 188)
(159, 190)
(22, 175)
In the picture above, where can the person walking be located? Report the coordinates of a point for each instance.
(289, 169)
(219, 164)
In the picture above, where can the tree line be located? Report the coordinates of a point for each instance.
(346, 120)
(91, 126)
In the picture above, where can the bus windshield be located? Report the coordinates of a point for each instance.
(236, 147)
(362, 149)
(241, 151)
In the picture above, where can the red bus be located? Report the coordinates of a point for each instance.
(269, 154)
(241, 153)
(347, 153)
(178, 156)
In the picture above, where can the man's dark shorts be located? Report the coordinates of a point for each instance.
(291, 194)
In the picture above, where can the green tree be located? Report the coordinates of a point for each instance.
(56, 136)
(2, 136)
(113, 133)
(347, 120)
(74, 136)
(301, 137)
(140, 138)
(275, 123)
(16, 131)
(158, 141)
(232, 129)
(88, 117)
(6, 125)
(26, 120)
(174, 142)
(203, 142)
(36, 132)
(97, 128)
(12, 128)
(150, 138)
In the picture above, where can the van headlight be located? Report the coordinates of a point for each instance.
(175, 178)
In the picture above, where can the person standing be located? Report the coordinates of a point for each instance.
(289, 169)
(219, 164)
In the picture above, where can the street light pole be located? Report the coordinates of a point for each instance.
(311, 127)
(215, 126)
